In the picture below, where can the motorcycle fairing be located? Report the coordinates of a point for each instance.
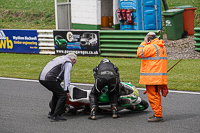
(130, 99)
(78, 94)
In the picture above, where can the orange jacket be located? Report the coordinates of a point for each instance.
(153, 69)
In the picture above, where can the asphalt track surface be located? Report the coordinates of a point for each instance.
(24, 108)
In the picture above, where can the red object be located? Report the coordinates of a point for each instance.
(164, 90)
(124, 14)
(76, 104)
(119, 14)
(188, 20)
(174, 65)
(129, 16)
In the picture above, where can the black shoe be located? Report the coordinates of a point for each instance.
(93, 113)
(57, 118)
(155, 119)
(92, 116)
(114, 111)
(151, 117)
(49, 115)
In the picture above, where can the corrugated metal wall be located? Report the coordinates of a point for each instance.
(197, 38)
(120, 43)
(46, 42)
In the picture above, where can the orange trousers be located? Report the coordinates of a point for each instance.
(155, 99)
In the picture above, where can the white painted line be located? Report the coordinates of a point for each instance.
(29, 80)
(185, 92)
(84, 84)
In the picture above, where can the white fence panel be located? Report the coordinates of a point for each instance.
(46, 41)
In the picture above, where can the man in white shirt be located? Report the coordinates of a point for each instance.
(51, 76)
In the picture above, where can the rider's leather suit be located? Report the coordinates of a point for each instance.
(106, 73)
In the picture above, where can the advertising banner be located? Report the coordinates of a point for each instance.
(78, 42)
(19, 41)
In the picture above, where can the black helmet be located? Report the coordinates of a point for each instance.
(104, 60)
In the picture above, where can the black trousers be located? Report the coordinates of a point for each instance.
(59, 96)
(100, 83)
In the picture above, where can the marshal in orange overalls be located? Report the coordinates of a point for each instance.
(153, 71)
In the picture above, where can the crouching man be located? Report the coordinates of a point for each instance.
(105, 74)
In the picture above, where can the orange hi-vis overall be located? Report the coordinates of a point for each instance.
(153, 71)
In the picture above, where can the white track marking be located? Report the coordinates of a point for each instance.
(84, 84)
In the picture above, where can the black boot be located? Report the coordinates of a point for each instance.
(57, 118)
(93, 112)
(114, 111)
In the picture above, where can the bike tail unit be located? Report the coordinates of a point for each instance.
(79, 101)
(129, 99)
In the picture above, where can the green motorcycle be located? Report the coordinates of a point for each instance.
(129, 99)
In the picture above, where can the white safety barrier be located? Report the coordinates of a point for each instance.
(46, 41)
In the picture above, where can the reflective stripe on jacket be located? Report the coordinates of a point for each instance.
(153, 69)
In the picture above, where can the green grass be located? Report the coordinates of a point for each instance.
(40, 14)
(27, 14)
(184, 76)
(34, 14)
